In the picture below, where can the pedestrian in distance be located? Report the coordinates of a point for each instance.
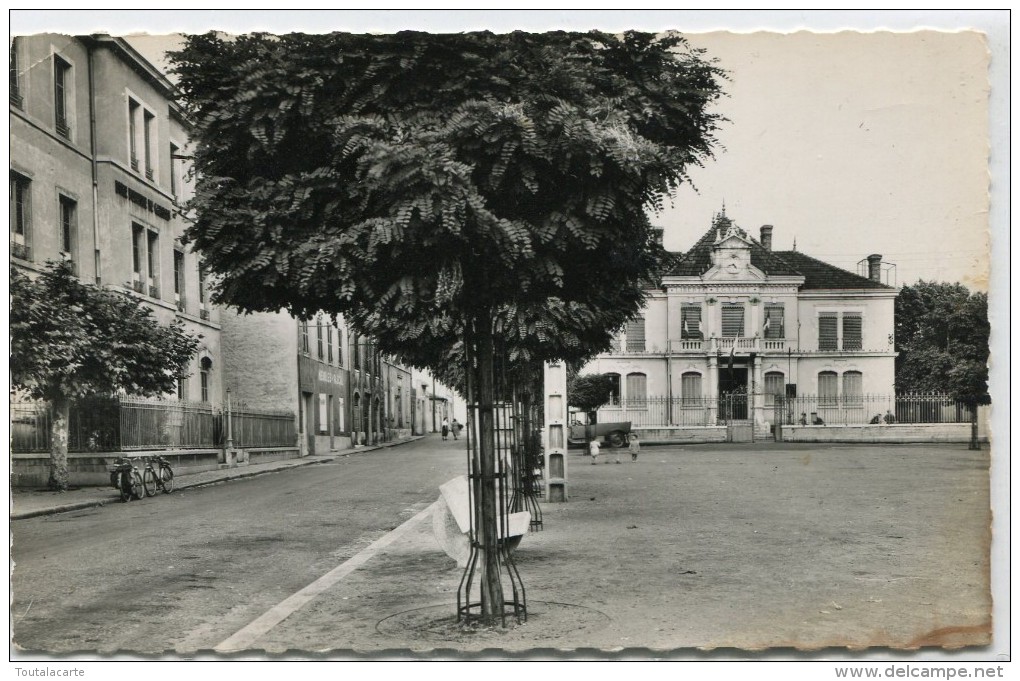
(816, 420)
(877, 418)
(889, 417)
(634, 447)
(803, 419)
(593, 449)
(446, 427)
(455, 429)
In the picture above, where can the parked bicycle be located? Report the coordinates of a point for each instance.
(124, 476)
(162, 479)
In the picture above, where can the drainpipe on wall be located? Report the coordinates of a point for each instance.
(669, 370)
(95, 167)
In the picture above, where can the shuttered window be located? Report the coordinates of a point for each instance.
(636, 335)
(690, 322)
(853, 387)
(852, 332)
(773, 325)
(774, 382)
(637, 390)
(827, 388)
(828, 331)
(690, 387)
(732, 321)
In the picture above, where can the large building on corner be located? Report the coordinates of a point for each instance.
(98, 175)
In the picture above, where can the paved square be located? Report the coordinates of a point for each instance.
(753, 546)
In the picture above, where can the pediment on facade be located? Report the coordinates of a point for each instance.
(734, 270)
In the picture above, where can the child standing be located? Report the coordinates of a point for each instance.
(593, 449)
(635, 446)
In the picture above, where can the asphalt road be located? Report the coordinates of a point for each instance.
(184, 572)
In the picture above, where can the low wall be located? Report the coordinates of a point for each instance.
(90, 469)
(898, 432)
(93, 469)
(272, 454)
(685, 434)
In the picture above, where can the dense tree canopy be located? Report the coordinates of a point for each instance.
(414, 181)
(942, 333)
(474, 189)
(71, 339)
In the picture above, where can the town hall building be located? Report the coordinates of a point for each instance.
(739, 332)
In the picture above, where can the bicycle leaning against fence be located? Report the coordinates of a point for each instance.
(154, 480)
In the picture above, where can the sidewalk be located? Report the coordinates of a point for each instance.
(31, 503)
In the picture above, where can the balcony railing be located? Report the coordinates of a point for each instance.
(153, 291)
(63, 129)
(17, 100)
(742, 344)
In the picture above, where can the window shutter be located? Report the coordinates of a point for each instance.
(690, 322)
(853, 387)
(827, 387)
(690, 387)
(732, 321)
(637, 388)
(774, 385)
(636, 335)
(852, 332)
(774, 315)
(827, 331)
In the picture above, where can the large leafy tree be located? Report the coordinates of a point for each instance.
(487, 190)
(70, 339)
(942, 335)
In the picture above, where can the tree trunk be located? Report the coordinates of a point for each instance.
(491, 586)
(59, 475)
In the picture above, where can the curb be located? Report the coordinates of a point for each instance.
(226, 477)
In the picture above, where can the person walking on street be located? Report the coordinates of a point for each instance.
(635, 446)
(593, 449)
(455, 429)
(446, 427)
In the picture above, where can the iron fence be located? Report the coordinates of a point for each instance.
(114, 424)
(256, 428)
(664, 411)
(910, 408)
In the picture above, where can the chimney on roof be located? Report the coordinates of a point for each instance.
(875, 267)
(766, 237)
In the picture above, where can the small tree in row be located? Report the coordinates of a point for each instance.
(70, 339)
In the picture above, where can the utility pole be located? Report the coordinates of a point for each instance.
(433, 404)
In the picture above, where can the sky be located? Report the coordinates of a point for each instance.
(848, 143)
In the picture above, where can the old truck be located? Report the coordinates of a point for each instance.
(613, 433)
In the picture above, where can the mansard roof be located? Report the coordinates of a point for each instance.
(817, 274)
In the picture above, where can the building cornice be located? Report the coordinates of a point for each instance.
(817, 294)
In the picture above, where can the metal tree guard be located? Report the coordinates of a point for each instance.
(471, 598)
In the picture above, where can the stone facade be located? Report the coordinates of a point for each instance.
(93, 180)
